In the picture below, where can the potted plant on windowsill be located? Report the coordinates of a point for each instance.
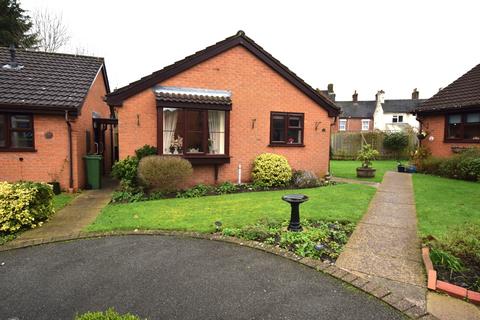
(366, 155)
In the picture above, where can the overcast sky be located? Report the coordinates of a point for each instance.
(356, 45)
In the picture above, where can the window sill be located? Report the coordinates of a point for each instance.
(18, 150)
(289, 145)
(461, 141)
(203, 158)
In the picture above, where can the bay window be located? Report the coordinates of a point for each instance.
(16, 132)
(286, 129)
(194, 132)
(463, 127)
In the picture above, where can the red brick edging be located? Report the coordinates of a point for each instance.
(398, 302)
(448, 288)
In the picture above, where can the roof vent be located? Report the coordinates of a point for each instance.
(13, 64)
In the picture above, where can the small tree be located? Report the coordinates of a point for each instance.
(396, 142)
(366, 155)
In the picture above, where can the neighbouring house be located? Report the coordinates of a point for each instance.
(451, 118)
(52, 113)
(379, 114)
(221, 107)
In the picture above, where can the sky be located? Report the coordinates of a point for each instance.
(366, 45)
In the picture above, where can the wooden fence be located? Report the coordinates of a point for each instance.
(345, 145)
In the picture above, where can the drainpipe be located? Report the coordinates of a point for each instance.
(70, 152)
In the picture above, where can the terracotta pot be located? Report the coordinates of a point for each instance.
(366, 172)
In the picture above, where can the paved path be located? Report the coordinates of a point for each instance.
(384, 247)
(163, 277)
(72, 218)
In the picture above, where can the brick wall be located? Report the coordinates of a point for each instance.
(50, 161)
(435, 126)
(256, 91)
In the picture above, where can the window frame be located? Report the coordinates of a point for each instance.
(368, 124)
(287, 116)
(339, 124)
(463, 115)
(9, 130)
(201, 157)
(397, 117)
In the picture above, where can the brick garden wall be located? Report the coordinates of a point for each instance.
(256, 91)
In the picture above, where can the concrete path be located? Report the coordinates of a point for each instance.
(72, 218)
(384, 246)
(161, 277)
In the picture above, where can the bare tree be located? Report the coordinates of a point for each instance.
(50, 29)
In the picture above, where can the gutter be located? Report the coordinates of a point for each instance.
(70, 151)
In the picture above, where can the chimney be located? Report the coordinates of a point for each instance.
(13, 64)
(330, 92)
(380, 96)
(415, 94)
(355, 96)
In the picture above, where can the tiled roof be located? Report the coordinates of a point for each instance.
(46, 80)
(462, 93)
(193, 95)
(365, 109)
(116, 97)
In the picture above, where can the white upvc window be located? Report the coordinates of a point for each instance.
(397, 118)
(365, 124)
(342, 125)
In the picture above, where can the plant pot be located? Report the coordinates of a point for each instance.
(401, 168)
(411, 169)
(366, 172)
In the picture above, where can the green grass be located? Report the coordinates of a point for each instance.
(347, 169)
(62, 199)
(443, 204)
(340, 202)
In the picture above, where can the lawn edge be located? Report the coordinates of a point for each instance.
(397, 302)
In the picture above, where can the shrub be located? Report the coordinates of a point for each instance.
(24, 204)
(126, 170)
(366, 155)
(226, 187)
(305, 179)
(197, 191)
(272, 170)
(396, 142)
(430, 165)
(145, 151)
(110, 314)
(163, 173)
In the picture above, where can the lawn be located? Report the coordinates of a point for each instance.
(340, 202)
(444, 203)
(62, 199)
(347, 169)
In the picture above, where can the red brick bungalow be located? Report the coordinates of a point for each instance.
(47, 105)
(221, 107)
(452, 116)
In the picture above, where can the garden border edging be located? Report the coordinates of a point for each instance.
(442, 286)
(398, 302)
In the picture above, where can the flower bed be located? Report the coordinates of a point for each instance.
(319, 239)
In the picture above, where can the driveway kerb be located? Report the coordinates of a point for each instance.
(397, 302)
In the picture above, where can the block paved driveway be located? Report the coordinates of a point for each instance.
(163, 277)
